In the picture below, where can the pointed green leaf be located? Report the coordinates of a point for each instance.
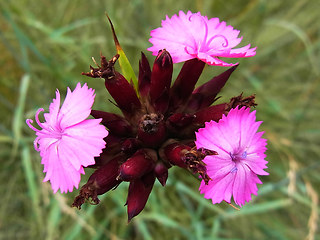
(126, 68)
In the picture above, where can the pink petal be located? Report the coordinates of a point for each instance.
(51, 117)
(77, 106)
(242, 52)
(60, 173)
(218, 190)
(214, 61)
(84, 141)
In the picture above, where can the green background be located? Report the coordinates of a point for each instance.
(46, 45)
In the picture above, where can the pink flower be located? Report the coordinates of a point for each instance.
(191, 35)
(67, 142)
(240, 156)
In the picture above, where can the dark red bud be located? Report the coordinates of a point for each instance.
(185, 82)
(115, 123)
(104, 178)
(174, 153)
(206, 94)
(161, 172)
(123, 94)
(101, 181)
(152, 130)
(214, 113)
(138, 194)
(160, 81)
(119, 88)
(144, 76)
(142, 162)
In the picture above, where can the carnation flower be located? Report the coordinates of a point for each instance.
(67, 141)
(240, 158)
(191, 35)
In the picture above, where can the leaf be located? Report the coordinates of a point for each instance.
(125, 65)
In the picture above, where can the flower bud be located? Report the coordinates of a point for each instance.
(119, 88)
(206, 94)
(144, 79)
(101, 181)
(161, 172)
(174, 153)
(123, 93)
(185, 82)
(138, 194)
(160, 81)
(142, 162)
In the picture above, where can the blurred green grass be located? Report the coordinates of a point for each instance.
(46, 45)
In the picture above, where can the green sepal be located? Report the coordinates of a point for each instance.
(126, 68)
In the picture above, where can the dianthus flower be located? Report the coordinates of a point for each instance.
(191, 35)
(67, 141)
(233, 171)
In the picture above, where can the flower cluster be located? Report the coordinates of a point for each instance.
(163, 124)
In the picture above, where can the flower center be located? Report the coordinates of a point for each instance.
(48, 130)
(150, 122)
(236, 158)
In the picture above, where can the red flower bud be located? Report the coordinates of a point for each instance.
(123, 93)
(138, 194)
(174, 153)
(161, 172)
(101, 181)
(104, 178)
(185, 82)
(160, 81)
(142, 162)
(144, 76)
(118, 87)
(206, 94)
